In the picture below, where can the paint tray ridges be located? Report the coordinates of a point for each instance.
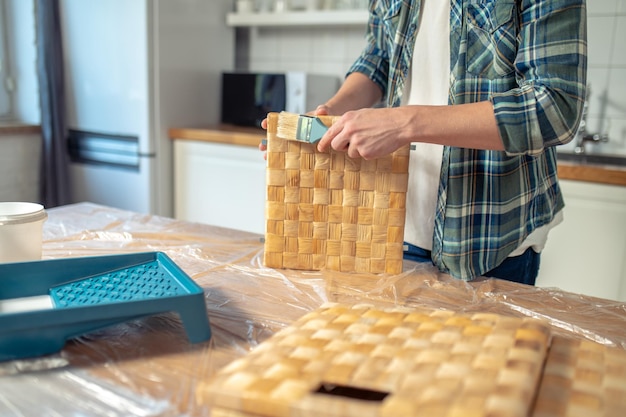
(149, 280)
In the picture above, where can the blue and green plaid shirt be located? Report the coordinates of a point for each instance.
(529, 58)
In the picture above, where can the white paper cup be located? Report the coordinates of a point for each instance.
(21, 230)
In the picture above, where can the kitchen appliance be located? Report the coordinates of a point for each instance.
(247, 97)
(134, 69)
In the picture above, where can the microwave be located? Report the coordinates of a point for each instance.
(247, 97)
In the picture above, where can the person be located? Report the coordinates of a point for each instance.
(483, 91)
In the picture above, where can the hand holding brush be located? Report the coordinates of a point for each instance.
(300, 127)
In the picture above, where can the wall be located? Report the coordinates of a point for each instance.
(331, 50)
(20, 157)
(23, 51)
(328, 50)
(20, 153)
(606, 25)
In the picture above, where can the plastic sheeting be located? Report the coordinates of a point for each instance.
(147, 367)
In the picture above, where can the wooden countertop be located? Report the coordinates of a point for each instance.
(601, 174)
(252, 136)
(233, 135)
(10, 129)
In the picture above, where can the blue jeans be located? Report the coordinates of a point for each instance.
(523, 268)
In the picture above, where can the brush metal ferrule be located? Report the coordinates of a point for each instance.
(310, 129)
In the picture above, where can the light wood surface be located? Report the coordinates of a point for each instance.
(424, 362)
(9, 129)
(228, 134)
(601, 174)
(325, 210)
(582, 378)
(394, 362)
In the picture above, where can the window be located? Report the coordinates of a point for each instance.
(6, 82)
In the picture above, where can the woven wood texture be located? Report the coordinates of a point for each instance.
(430, 362)
(582, 378)
(328, 211)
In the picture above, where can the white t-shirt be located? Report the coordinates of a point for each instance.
(428, 84)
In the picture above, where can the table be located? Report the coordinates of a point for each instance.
(148, 368)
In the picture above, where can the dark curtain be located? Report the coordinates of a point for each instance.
(55, 188)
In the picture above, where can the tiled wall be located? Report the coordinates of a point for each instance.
(607, 73)
(324, 50)
(331, 50)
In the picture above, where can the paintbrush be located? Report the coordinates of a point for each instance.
(302, 127)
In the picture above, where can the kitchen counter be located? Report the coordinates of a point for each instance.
(146, 367)
(13, 129)
(228, 134)
(592, 172)
(577, 170)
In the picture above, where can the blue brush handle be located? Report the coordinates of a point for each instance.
(310, 129)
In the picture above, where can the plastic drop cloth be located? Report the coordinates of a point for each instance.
(147, 367)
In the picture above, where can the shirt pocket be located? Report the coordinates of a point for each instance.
(387, 9)
(492, 31)
(387, 13)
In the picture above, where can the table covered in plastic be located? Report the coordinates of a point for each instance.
(147, 367)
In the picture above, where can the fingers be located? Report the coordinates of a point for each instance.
(322, 110)
(263, 144)
(327, 139)
(341, 143)
(353, 152)
(335, 138)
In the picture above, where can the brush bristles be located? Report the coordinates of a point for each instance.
(298, 127)
(287, 126)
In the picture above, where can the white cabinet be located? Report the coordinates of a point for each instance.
(220, 184)
(586, 254)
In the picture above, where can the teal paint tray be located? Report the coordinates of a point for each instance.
(45, 303)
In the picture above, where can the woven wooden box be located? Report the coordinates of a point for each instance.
(328, 211)
(582, 378)
(362, 361)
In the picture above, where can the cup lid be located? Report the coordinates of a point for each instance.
(13, 212)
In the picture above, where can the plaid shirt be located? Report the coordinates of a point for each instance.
(529, 58)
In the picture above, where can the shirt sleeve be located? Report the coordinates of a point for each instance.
(374, 61)
(550, 65)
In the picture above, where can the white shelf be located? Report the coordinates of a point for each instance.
(299, 18)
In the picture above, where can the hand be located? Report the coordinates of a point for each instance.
(263, 144)
(322, 110)
(368, 133)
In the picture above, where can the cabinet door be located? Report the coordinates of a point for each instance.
(586, 253)
(218, 184)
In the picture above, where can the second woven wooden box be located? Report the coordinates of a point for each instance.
(361, 361)
(325, 210)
